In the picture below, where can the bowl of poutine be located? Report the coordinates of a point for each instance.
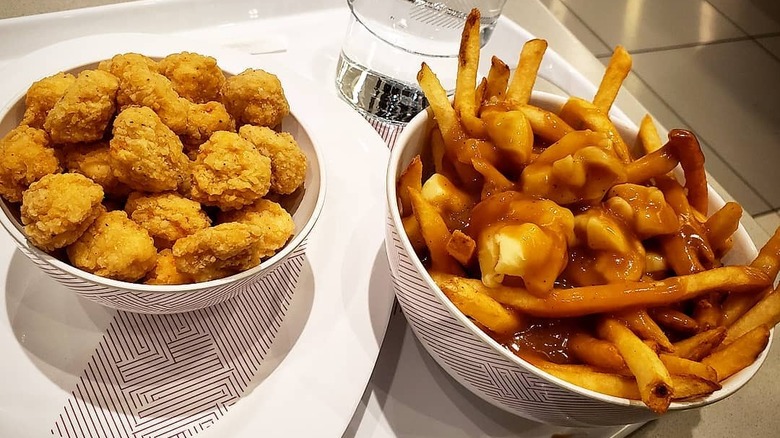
(567, 267)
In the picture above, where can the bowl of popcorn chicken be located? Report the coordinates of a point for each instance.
(566, 266)
(157, 184)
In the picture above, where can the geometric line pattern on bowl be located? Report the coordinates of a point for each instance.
(476, 365)
(174, 375)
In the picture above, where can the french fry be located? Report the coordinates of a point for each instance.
(652, 377)
(443, 112)
(674, 320)
(588, 300)
(596, 352)
(435, 233)
(700, 345)
(766, 312)
(466, 80)
(411, 177)
(522, 82)
(412, 229)
(688, 387)
(438, 148)
(481, 308)
(648, 135)
(545, 124)
(682, 366)
(707, 312)
(721, 226)
(581, 114)
(494, 181)
(739, 354)
(497, 80)
(617, 71)
(640, 322)
(461, 247)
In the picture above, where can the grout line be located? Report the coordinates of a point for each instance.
(768, 212)
(752, 37)
(587, 26)
(690, 45)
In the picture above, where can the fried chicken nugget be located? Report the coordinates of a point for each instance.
(274, 224)
(202, 121)
(118, 64)
(42, 96)
(114, 247)
(85, 109)
(93, 160)
(145, 154)
(166, 216)
(288, 162)
(229, 172)
(195, 77)
(255, 97)
(165, 272)
(218, 251)
(57, 209)
(143, 87)
(25, 157)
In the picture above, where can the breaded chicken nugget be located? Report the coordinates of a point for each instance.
(195, 77)
(165, 272)
(288, 162)
(145, 154)
(93, 160)
(114, 247)
(119, 63)
(84, 111)
(218, 251)
(41, 97)
(255, 97)
(166, 216)
(143, 87)
(229, 172)
(25, 157)
(274, 224)
(58, 208)
(204, 120)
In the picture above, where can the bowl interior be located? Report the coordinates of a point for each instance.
(304, 205)
(411, 143)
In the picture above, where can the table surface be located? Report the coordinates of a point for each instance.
(408, 394)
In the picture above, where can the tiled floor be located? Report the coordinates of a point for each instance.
(710, 66)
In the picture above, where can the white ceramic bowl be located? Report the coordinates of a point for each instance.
(142, 298)
(481, 364)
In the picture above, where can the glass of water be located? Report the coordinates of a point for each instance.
(386, 42)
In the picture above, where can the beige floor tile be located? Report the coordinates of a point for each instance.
(576, 27)
(754, 16)
(772, 44)
(642, 25)
(769, 221)
(728, 95)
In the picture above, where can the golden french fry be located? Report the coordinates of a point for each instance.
(652, 377)
(721, 226)
(494, 181)
(481, 308)
(707, 312)
(739, 354)
(411, 177)
(497, 80)
(604, 383)
(438, 149)
(688, 387)
(545, 124)
(412, 229)
(640, 322)
(466, 80)
(617, 70)
(443, 112)
(461, 247)
(581, 114)
(588, 300)
(700, 345)
(682, 366)
(766, 312)
(596, 352)
(435, 233)
(480, 93)
(648, 135)
(674, 320)
(522, 82)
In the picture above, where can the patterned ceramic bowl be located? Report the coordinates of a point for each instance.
(482, 365)
(305, 208)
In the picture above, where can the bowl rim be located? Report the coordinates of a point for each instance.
(420, 121)
(25, 245)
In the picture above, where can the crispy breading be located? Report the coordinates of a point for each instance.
(166, 216)
(275, 225)
(288, 162)
(26, 157)
(58, 208)
(140, 86)
(93, 160)
(204, 120)
(42, 96)
(255, 97)
(114, 247)
(165, 272)
(118, 64)
(195, 77)
(218, 251)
